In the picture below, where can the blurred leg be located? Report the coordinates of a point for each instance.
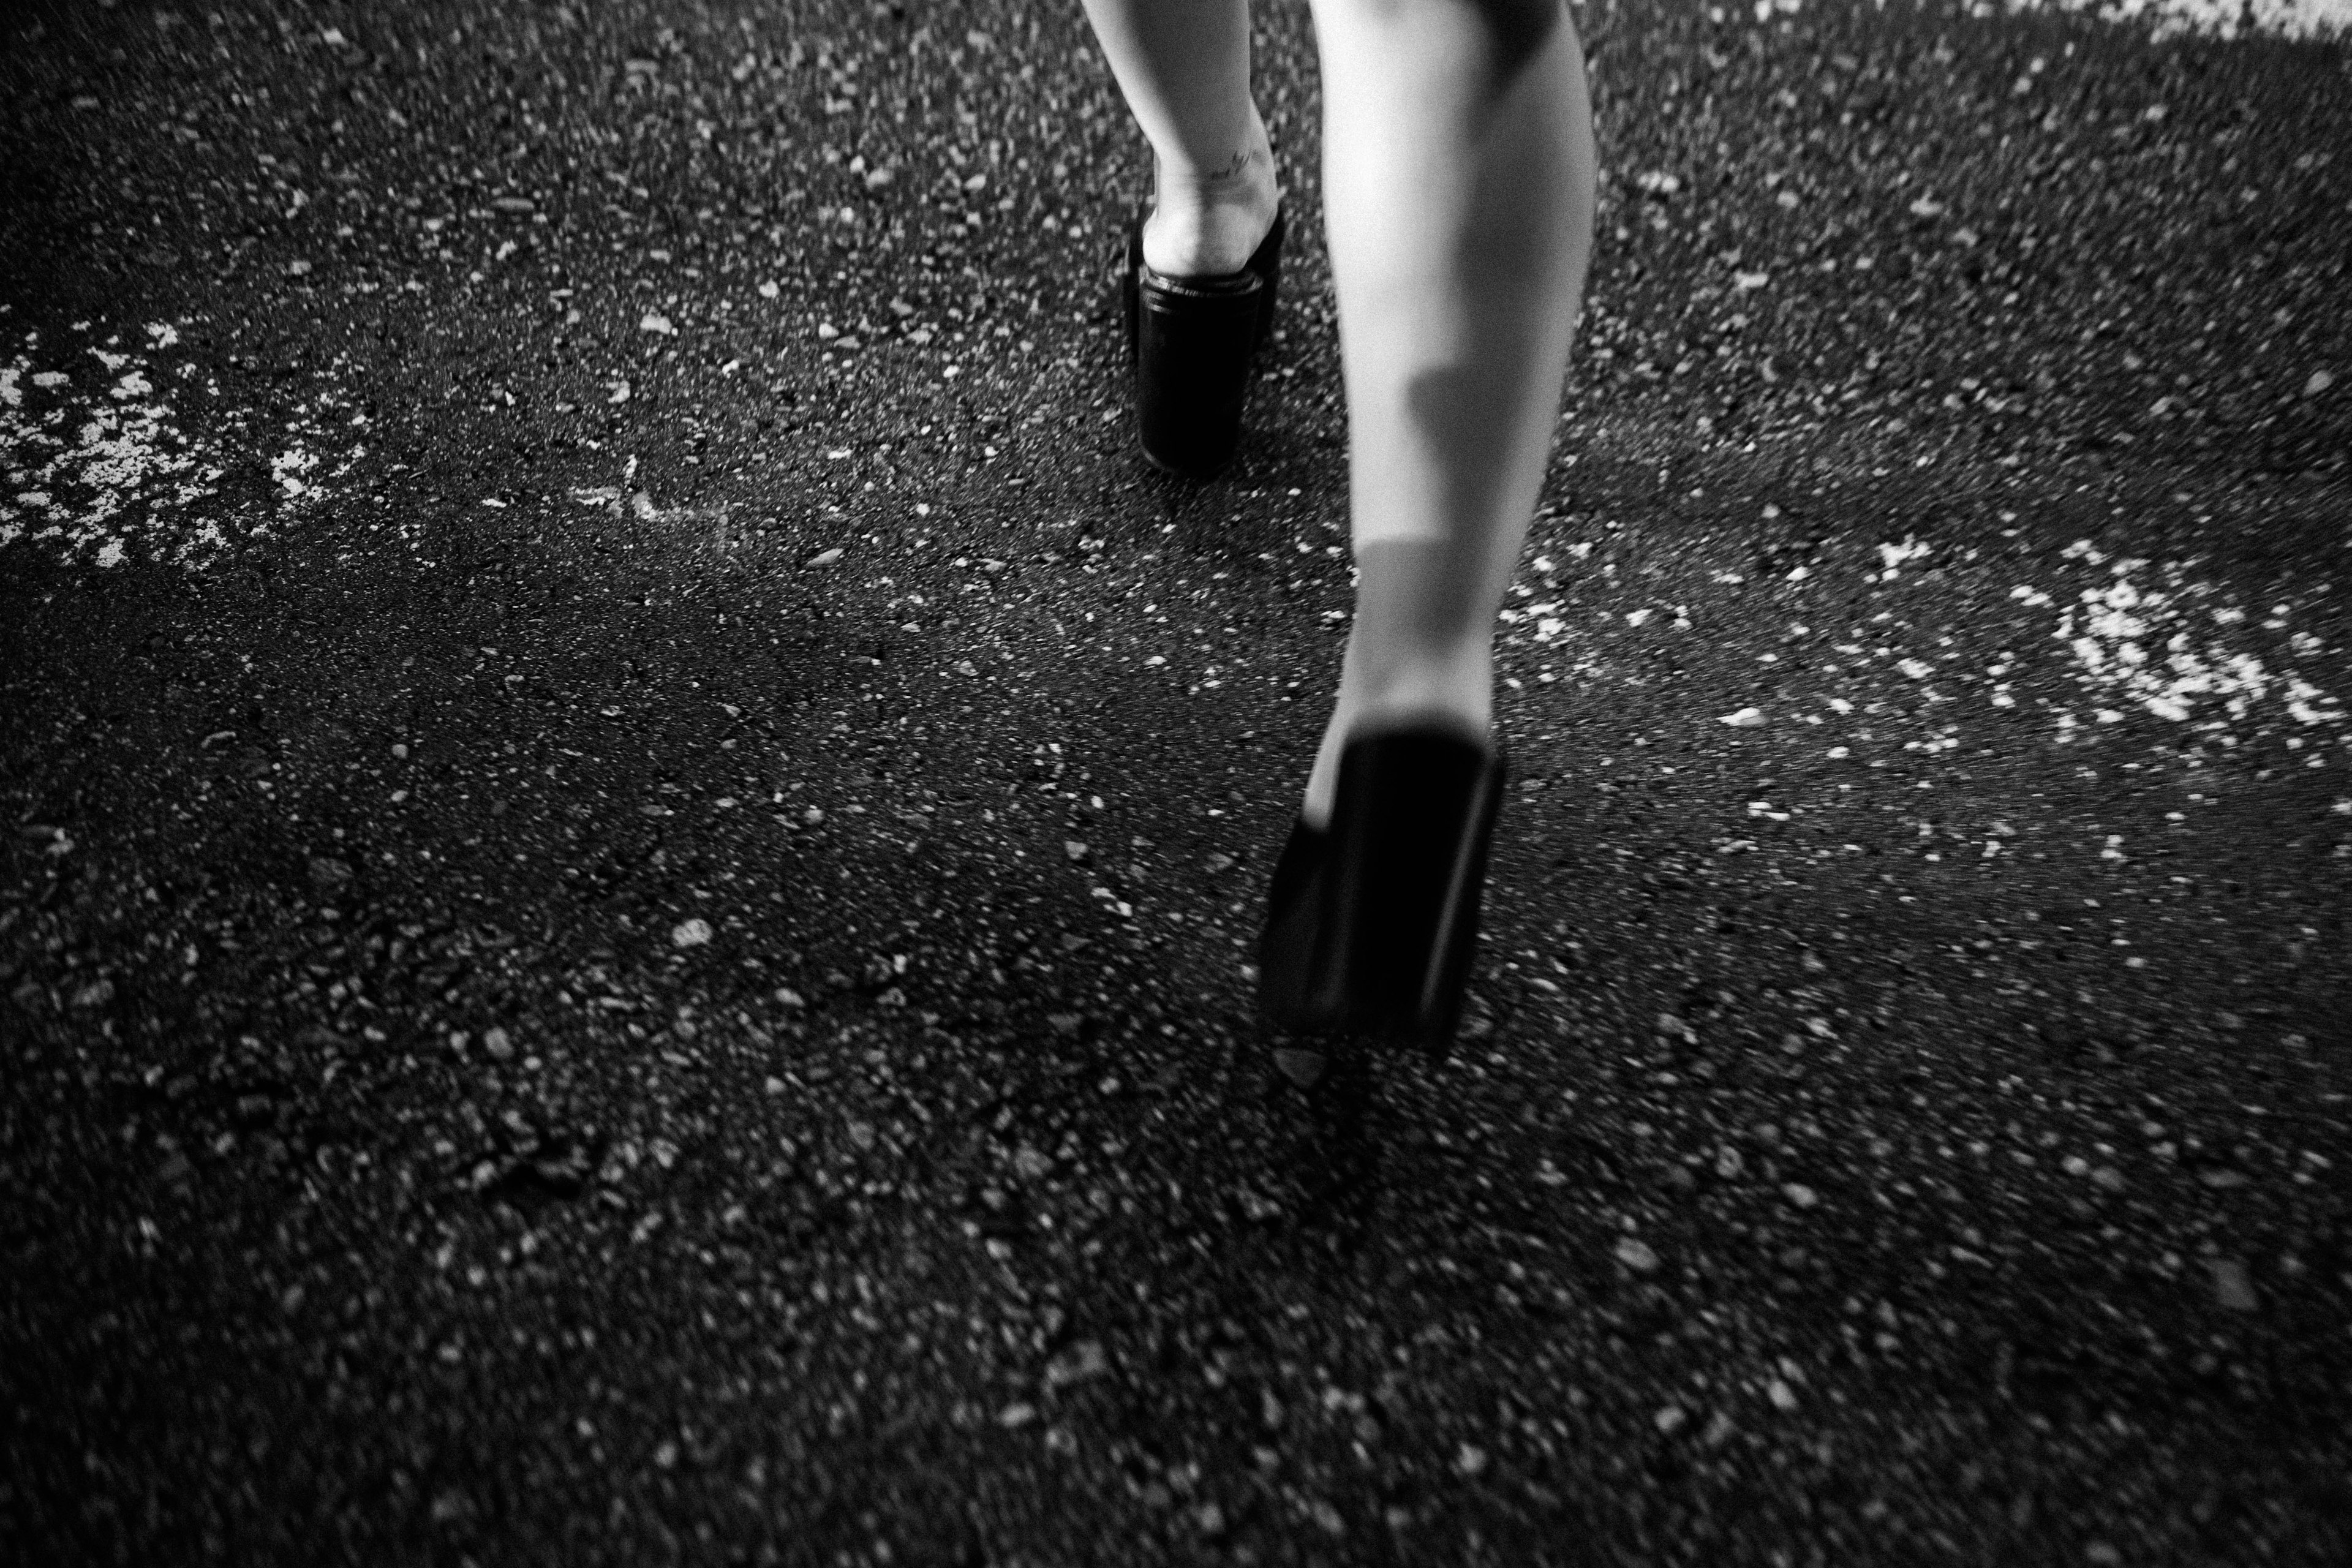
(1458, 198)
(1184, 66)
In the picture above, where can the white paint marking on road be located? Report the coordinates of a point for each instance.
(2149, 646)
(107, 476)
(2221, 20)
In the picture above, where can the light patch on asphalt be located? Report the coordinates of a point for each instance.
(2219, 19)
(613, 499)
(2154, 637)
(101, 469)
(2223, 19)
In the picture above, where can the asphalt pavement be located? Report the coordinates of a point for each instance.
(636, 829)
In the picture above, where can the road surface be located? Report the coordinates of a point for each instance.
(635, 829)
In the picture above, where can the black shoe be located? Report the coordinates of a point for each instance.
(1370, 924)
(1191, 340)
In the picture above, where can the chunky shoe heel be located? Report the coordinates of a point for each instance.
(1371, 925)
(1192, 341)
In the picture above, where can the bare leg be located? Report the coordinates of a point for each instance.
(1458, 198)
(1184, 67)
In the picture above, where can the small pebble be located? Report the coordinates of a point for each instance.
(1080, 1361)
(2232, 1288)
(1635, 1254)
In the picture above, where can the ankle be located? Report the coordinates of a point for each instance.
(1453, 685)
(1246, 182)
(1246, 174)
(1470, 718)
(1453, 700)
(1208, 223)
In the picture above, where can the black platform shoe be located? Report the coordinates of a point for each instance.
(1370, 924)
(1191, 340)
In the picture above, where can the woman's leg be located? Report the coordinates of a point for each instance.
(1458, 196)
(1184, 67)
(1458, 199)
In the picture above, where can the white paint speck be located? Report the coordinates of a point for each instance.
(288, 468)
(109, 478)
(2145, 644)
(1894, 556)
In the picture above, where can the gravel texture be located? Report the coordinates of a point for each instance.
(635, 828)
